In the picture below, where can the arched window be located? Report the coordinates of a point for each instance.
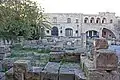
(54, 31)
(104, 20)
(68, 32)
(68, 20)
(86, 20)
(92, 20)
(98, 20)
(54, 19)
(111, 21)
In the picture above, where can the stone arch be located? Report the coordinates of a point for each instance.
(68, 32)
(104, 20)
(98, 20)
(86, 20)
(92, 34)
(54, 31)
(92, 20)
(108, 34)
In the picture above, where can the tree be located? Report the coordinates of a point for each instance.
(21, 18)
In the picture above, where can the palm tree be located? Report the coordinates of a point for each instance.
(42, 25)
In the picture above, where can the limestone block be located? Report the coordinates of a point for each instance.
(34, 73)
(66, 74)
(105, 60)
(50, 71)
(100, 44)
(72, 57)
(67, 71)
(56, 56)
(103, 75)
(20, 68)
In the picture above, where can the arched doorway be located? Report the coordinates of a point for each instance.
(54, 31)
(108, 34)
(92, 34)
(68, 32)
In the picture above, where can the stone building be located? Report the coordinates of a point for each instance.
(75, 24)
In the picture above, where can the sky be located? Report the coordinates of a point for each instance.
(80, 6)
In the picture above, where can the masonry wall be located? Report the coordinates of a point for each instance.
(81, 26)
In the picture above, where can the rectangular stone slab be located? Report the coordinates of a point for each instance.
(50, 71)
(66, 74)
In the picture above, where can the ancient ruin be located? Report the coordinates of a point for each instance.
(64, 62)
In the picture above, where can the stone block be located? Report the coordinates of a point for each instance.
(105, 60)
(20, 69)
(50, 71)
(103, 75)
(56, 56)
(66, 74)
(100, 44)
(34, 73)
(72, 57)
(67, 70)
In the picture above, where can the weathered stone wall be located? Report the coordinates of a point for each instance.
(105, 60)
(100, 44)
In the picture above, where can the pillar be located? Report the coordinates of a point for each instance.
(92, 33)
(100, 33)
